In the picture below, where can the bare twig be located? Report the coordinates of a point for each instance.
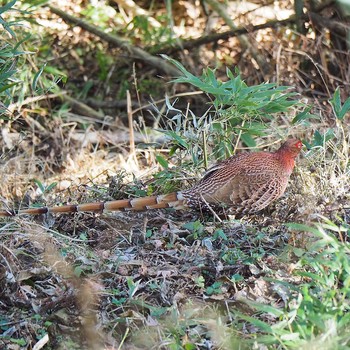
(131, 124)
(12, 107)
(211, 209)
(134, 76)
(316, 65)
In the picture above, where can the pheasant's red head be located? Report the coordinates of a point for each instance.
(291, 148)
(293, 145)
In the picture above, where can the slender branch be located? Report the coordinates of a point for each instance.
(187, 44)
(214, 37)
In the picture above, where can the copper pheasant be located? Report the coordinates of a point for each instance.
(246, 183)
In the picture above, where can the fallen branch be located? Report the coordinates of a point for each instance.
(131, 51)
(82, 108)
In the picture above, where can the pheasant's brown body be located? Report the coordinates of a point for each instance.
(246, 183)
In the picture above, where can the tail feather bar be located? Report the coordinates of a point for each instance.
(174, 200)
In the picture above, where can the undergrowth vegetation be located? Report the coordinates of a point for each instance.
(79, 125)
(240, 114)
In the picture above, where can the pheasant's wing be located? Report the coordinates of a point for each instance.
(247, 193)
(224, 164)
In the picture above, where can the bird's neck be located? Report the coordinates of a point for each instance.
(287, 158)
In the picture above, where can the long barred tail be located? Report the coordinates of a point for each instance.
(171, 200)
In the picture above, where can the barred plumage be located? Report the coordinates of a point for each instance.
(247, 183)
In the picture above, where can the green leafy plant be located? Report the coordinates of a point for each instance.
(318, 307)
(267, 97)
(117, 297)
(10, 51)
(215, 288)
(132, 286)
(339, 109)
(305, 115)
(319, 139)
(196, 228)
(238, 112)
(200, 281)
(18, 79)
(43, 188)
(219, 234)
